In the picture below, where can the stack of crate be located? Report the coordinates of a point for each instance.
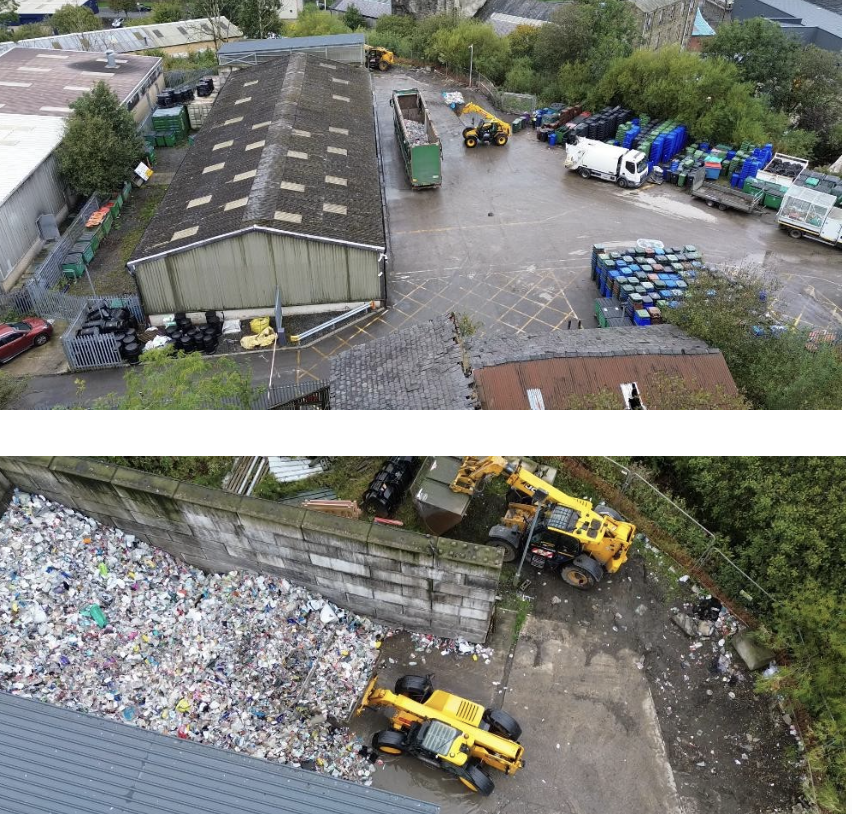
(170, 124)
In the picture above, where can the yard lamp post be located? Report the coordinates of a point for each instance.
(470, 75)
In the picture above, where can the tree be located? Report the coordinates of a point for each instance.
(258, 18)
(100, 143)
(11, 388)
(353, 18)
(212, 12)
(182, 382)
(761, 52)
(168, 12)
(451, 47)
(70, 19)
(31, 31)
(123, 6)
(312, 22)
(8, 11)
(522, 41)
(773, 369)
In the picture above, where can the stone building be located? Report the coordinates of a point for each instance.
(665, 22)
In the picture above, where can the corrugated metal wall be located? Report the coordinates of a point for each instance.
(40, 194)
(350, 54)
(241, 272)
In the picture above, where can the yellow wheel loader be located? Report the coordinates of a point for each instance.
(488, 130)
(579, 540)
(377, 58)
(446, 731)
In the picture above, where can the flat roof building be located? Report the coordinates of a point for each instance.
(807, 22)
(37, 88)
(36, 11)
(280, 191)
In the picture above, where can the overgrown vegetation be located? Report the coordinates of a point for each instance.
(182, 381)
(782, 520)
(202, 470)
(11, 388)
(100, 144)
(774, 369)
(71, 19)
(753, 83)
(136, 221)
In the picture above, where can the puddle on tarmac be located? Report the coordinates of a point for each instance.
(661, 202)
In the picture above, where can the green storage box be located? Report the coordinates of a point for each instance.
(73, 266)
(85, 249)
(170, 139)
(107, 224)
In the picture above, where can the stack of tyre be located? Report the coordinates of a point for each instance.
(387, 489)
(191, 338)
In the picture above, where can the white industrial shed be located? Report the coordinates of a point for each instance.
(178, 39)
(37, 88)
(347, 48)
(279, 192)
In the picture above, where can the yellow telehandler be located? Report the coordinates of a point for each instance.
(488, 130)
(446, 731)
(377, 58)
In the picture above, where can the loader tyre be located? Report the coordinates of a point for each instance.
(417, 688)
(470, 141)
(577, 577)
(603, 509)
(477, 780)
(389, 741)
(500, 139)
(502, 724)
(383, 66)
(584, 173)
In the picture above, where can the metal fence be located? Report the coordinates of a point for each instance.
(174, 79)
(49, 273)
(96, 352)
(304, 396)
(33, 300)
(506, 101)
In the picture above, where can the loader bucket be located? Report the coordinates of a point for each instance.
(439, 508)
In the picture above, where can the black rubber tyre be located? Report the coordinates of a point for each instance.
(722, 207)
(608, 512)
(711, 203)
(40, 340)
(510, 553)
(417, 688)
(383, 66)
(622, 183)
(502, 724)
(584, 173)
(796, 233)
(577, 577)
(389, 741)
(470, 142)
(500, 139)
(477, 780)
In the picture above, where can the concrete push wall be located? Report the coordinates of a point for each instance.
(424, 583)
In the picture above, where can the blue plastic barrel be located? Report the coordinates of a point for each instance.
(551, 139)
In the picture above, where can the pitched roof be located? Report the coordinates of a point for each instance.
(44, 82)
(561, 364)
(289, 146)
(134, 37)
(530, 9)
(69, 761)
(505, 24)
(291, 43)
(417, 368)
(25, 142)
(371, 9)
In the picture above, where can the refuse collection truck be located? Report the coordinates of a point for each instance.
(418, 141)
(805, 212)
(628, 168)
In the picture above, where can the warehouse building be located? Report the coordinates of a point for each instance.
(370, 10)
(177, 39)
(37, 87)
(37, 11)
(347, 48)
(804, 21)
(430, 367)
(664, 22)
(280, 193)
(65, 760)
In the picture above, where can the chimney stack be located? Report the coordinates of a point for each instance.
(110, 56)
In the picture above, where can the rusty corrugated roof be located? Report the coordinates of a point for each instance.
(504, 387)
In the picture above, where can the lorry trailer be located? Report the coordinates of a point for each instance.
(628, 168)
(418, 141)
(805, 212)
(723, 195)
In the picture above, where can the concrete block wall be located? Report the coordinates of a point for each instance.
(423, 583)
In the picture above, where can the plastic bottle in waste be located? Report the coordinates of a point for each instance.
(98, 616)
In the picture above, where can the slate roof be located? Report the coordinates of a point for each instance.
(59, 761)
(370, 9)
(44, 82)
(291, 43)
(417, 368)
(531, 9)
(505, 24)
(133, 37)
(289, 146)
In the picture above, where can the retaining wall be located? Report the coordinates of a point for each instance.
(425, 583)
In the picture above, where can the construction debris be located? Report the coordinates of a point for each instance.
(95, 620)
(416, 132)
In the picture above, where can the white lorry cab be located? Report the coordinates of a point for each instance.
(628, 168)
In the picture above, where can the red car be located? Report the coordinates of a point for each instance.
(16, 337)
